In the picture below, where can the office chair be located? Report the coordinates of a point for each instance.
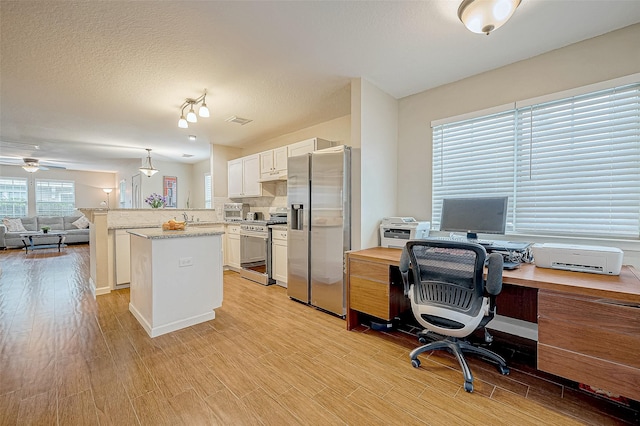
(450, 297)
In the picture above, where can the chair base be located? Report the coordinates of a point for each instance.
(457, 348)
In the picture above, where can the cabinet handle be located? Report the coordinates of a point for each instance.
(620, 303)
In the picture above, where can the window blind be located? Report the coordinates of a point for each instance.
(573, 167)
(13, 197)
(207, 191)
(473, 158)
(55, 197)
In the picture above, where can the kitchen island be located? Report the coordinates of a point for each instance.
(176, 277)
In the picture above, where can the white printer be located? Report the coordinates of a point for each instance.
(570, 257)
(396, 231)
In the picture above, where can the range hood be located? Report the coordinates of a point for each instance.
(274, 177)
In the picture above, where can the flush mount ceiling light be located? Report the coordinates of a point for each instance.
(484, 16)
(148, 169)
(31, 165)
(191, 116)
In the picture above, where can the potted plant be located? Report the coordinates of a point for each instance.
(45, 229)
(156, 201)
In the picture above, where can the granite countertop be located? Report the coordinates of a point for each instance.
(157, 233)
(155, 225)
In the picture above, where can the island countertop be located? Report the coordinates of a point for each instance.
(158, 233)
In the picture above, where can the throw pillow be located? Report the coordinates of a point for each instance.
(81, 223)
(13, 225)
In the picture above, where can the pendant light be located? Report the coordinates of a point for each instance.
(148, 169)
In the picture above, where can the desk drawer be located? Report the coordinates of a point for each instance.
(616, 378)
(590, 340)
(369, 270)
(370, 297)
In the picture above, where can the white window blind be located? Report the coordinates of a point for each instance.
(207, 191)
(13, 197)
(55, 197)
(473, 158)
(575, 165)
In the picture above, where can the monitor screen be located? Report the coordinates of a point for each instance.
(487, 215)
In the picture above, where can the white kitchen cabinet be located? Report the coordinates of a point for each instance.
(244, 177)
(232, 250)
(273, 163)
(122, 252)
(279, 256)
(308, 146)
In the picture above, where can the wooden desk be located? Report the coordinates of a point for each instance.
(588, 324)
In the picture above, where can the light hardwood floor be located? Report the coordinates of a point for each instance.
(69, 359)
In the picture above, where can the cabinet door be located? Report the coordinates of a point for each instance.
(300, 148)
(280, 260)
(233, 250)
(280, 159)
(235, 178)
(251, 175)
(123, 267)
(266, 162)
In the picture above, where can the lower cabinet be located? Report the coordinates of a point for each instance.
(279, 256)
(122, 250)
(232, 249)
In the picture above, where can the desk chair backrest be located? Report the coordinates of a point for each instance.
(447, 291)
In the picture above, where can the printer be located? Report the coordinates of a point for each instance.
(396, 231)
(572, 257)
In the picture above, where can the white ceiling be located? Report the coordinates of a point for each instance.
(93, 82)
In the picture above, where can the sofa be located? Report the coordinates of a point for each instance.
(55, 223)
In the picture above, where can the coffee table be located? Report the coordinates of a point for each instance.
(28, 239)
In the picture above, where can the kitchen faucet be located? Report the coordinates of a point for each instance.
(185, 216)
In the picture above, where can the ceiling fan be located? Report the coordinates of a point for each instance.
(31, 165)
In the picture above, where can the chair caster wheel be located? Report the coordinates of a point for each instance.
(468, 386)
(422, 340)
(415, 363)
(504, 370)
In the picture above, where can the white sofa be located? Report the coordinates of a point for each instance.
(55, 223)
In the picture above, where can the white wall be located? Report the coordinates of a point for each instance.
(378, 159)
(196, 193)
(88, 185)
(602, 58)
(183, 173)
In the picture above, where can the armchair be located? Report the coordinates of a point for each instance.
(450, 297)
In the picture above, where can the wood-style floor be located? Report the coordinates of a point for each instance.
(69, 359)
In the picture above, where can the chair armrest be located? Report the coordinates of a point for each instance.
(3, 230)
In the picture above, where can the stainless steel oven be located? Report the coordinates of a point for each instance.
(255, 252)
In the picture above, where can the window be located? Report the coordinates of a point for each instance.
(207, 191)
(13, 197)
(55, 197)
(569, 166)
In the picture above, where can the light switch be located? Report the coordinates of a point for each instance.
(185, 261)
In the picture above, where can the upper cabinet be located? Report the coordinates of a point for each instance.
(308, 146)
(243, 177)
(246, 174)
(273, 164)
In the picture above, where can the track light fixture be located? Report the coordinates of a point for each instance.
(148, 169)
(484, 16)
(191, 116)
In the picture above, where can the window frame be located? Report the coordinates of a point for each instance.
(11, 200)
(54, 211)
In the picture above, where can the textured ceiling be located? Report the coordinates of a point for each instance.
(91, 82)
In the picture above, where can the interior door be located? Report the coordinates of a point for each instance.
(136, 192)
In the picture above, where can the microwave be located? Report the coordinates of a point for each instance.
(234, 212)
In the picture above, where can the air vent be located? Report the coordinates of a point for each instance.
(241, 121)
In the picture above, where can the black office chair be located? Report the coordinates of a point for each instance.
(450, 297)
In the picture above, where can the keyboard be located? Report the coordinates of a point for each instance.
(462, 240)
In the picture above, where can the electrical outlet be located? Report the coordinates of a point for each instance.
(185, 261)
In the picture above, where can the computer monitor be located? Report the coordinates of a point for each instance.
(487, 215)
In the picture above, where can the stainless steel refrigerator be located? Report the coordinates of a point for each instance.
(319, 200)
